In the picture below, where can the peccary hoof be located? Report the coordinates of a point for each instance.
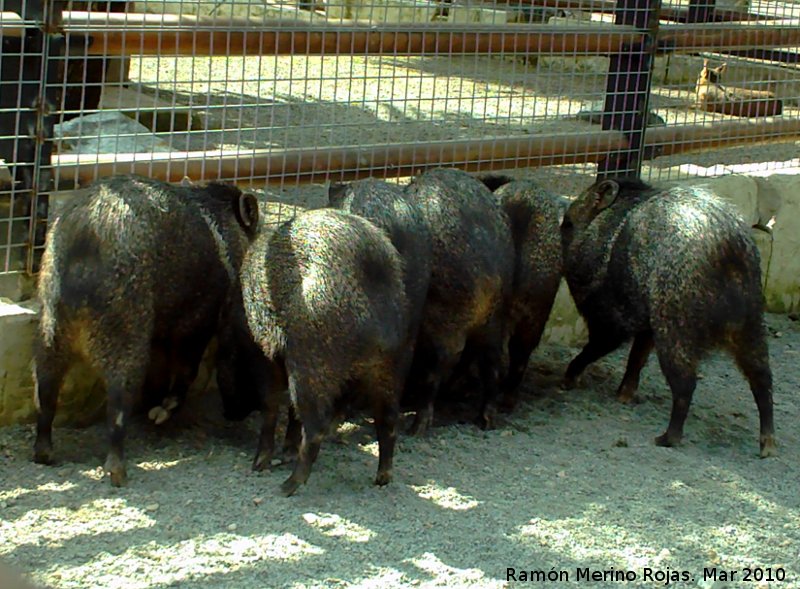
(569, 383)
(507, 404)
(289, 456)
(668, 441)
(383, 478)
(768, 447)
(116, 472)
(485, 421)
(43, 454)
(262, 462)
(289, 487)
(158, 415)
(422, 421)
(626, 396)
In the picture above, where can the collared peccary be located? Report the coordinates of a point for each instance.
(387, 207)
(325, 302)
(471, 278)
(673, 269)
(534, 216)
(137, 276)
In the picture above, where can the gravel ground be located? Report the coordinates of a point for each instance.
(572, 480)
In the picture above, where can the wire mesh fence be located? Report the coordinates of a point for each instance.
(290, 95)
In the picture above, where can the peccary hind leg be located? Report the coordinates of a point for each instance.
(385, 412)
(640, 352)
(50, 372)
(520, 347)
(489, 364)
(186, 356)
(439, 365)
(752, 359)
(122, 383)
(266, 441)
(682, 380)
(316, 421)
(294, 435)
(596, 348)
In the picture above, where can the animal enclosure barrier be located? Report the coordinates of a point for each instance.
(286, 95)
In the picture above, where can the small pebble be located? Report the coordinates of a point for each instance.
(275, 461)
(232, 528)
(152, 507)
(258, 500)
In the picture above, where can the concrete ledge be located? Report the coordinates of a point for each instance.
(17, 324)
(758, 199)
(83, 397)
(773, 199)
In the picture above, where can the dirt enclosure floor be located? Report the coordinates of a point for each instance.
(571, 484)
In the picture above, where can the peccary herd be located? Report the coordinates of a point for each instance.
(384, 300)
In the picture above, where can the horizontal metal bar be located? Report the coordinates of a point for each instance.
(13, 25)
(154, 34)
(779, 55)
(405, 159)
(688, 138)
(200, 36)
(341, 163)
(689, 38)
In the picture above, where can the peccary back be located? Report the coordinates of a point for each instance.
(676, 269)
(135, 268)
(471, 278)
(325, 299)
(388, 208)
(534, 215)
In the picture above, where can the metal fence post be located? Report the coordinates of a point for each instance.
(628, 88)
(25, 128)
(52, 72)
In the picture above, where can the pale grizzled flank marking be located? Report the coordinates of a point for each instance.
(677, 271)
(49, 290)
(222, 247)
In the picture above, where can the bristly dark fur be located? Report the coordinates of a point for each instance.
(326, 304)
(676, 270)
(388, 207)
(471, 280)
(137, 276)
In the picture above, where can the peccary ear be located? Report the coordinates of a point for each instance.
(722, 68)
(605, 193)
(246, 208)
(495, 181)
(336, 193)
